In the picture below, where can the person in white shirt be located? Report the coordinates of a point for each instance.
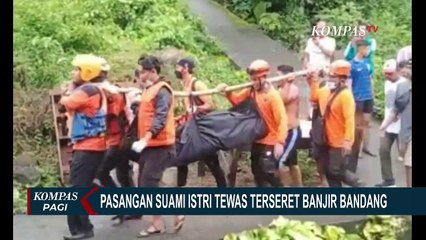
(404, 54)
(319, 52)
(319, 49)
(392, 79)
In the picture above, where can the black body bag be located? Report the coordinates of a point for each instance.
(131, 136)
(219, 130)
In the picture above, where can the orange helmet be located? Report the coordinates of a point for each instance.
(341, 68)
(259, 67)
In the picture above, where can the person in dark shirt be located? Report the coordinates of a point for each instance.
(156, 133)
(403, 110)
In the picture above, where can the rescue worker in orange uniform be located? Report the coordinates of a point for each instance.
(339, 122)
(86, 103)
(266, 151)
(197, 105)
(156, 132)
(117, 125)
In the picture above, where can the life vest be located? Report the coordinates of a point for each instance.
(83, 126)
(117, 121)
(146, 116)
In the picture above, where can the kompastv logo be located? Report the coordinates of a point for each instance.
(337, 31)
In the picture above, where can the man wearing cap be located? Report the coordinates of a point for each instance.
(392, 79)
(86, 103)
(266, 151)
(197, 105)
(404, 54)
(337, 107)
(361, 84)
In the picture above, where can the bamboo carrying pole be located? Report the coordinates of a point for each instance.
(229, 88)
(239, 86)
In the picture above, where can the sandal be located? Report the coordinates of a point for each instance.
(369, 153)
(179, 221)
(120, 219)
(132, 217)
(152, 230)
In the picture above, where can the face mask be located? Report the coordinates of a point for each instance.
(178, 74)
(331, 85)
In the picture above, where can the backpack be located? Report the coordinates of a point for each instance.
(318, 122)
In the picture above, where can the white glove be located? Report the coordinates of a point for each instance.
(138, 146)
(191, 110)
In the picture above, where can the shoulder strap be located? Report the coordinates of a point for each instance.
(252, 92)
(193, 85)
(123, 95)
(102, 97)
(253, 98)
(191, 97)
(157, 87)
(327, 108)
(102, 100)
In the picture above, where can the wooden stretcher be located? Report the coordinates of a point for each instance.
(63, 141)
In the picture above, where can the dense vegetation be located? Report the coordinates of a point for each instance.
(374, 228)
(48, 34)
(291, 22)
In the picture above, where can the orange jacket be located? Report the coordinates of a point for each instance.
(116, 106)
(271, 109)
(146, 117)
(86, 100)
(340, 121)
